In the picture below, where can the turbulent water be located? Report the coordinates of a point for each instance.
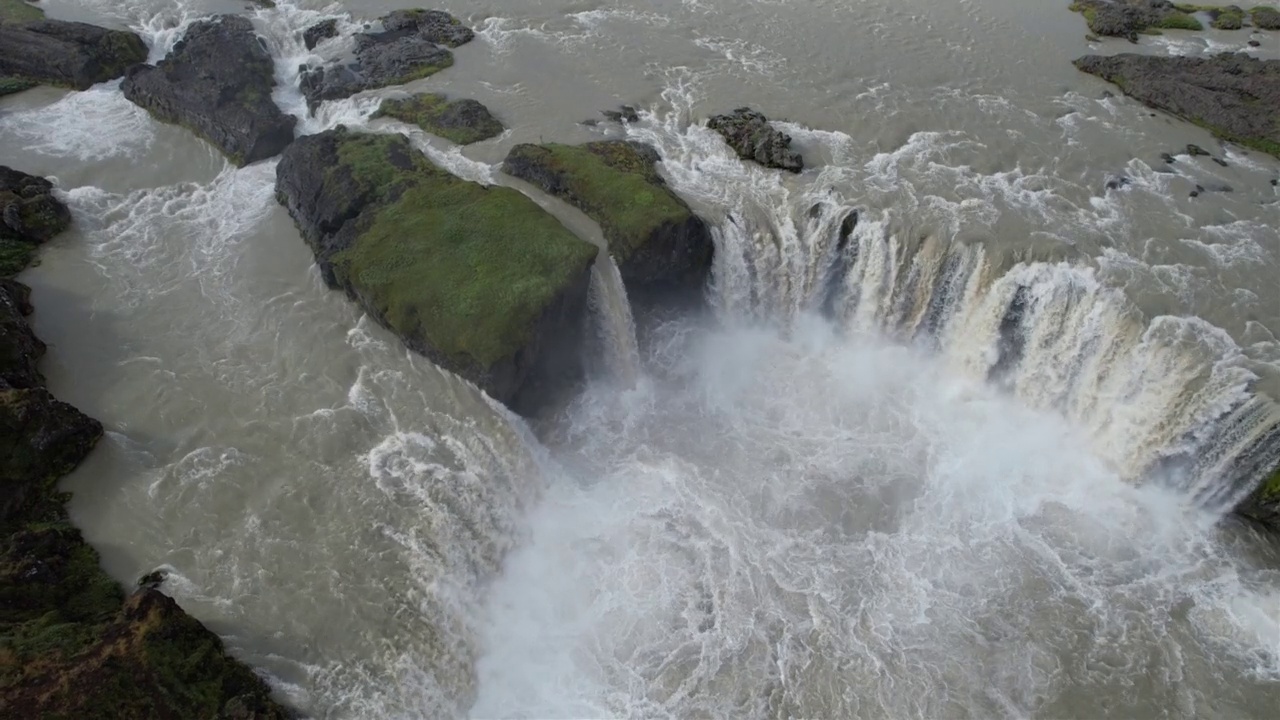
(955, 438)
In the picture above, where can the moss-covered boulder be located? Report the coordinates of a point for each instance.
(1232, 95)
(29, 215)
(411, 46)
(18, 11)
(480, 280)
(1263, 504)
(217, 82)
(66, 54)
(659, 244)
(461, 121)
(1265, 17)
(1130, 18)
(318, 33)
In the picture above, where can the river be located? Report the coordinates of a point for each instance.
(856, 486)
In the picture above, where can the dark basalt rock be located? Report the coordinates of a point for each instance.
(318, 33)
(29, 215)
(480, 280)
(20, 349)
(1265, 18)
(66, 54)
(1168, 158)
(1233, 95)
(217, 82)
(1117, 182)
(753, 138)
(1130, 18)
(659, 244)
(408, 49)
(624, 113)
(1197, 151)
(463, 121)
(40, 438)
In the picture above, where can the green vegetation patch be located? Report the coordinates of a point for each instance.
(469, 269)
(15, 256)
(10, 85)
(17, 11)
(460, 121)
(1179, 21)
(422, 71)
(1265, 17)
(615, 184)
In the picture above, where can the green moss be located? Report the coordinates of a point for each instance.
(1265, 17)
(434, 113)
(10, 85)
(1223, 18)
(15, 256)
(468, 269)
(17, 11)
(615, 185)
(446, 61)
(1179, 21)
(1270, 489)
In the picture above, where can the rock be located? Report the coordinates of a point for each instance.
(479, 279)
(461, 121)
(1254, 43)
(41, 439)
(1232, 94)
(29, 215)
(20, 349)
(1167, 157)
(1197, 151)
(1230, 17)
(318, 33)
(153, 579)
(1092, 38)
(66, 54)
(1265, 18)
(1117, 182)
(1274, 182)
(1130, 18)
(217, 82)
(1195, 193)
(407, 49)
(658, 243)
(1220, 161)
(753, 138)
(1219, 187)
(11, 85)
(436, 26)
(624, 113)
(1107, 94)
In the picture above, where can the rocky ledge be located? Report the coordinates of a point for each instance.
(71, 643)
(217, 82)
(478, 279)
(1232, 95)
(1131, 18)
(411, 46)
(67, 54)
(29, 215)
(318, 33)
(659, 244)
(753, 138)
(461, 121)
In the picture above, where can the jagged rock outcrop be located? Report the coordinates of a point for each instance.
(1130, 18)
(66, 54)
(411, 46)
(29, 215)
(318, 33)
(479, 279)
(753, 138)
(217, 82)
(462, 121)
(1233, 95)
(71, 644)
(659, 244)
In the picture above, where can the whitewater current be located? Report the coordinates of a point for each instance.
(957, 434)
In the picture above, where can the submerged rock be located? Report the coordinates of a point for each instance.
(1233, 95)
(462, 121)
(66, 54)
(753, 138)
(408, 49)
(217, 82)
(658, 243)
(479, 279)
(318, 33)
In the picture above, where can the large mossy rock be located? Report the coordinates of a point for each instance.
(41, 439)
(1130, 18)
(29, 215)
(753, 138)
(20, 349)
(66, 54)
(480, 280)
(461, 121)
(1265, 18)
(217, 82)
(411, 46)
(658, 243)
(1232, 95)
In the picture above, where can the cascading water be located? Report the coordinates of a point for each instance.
(902, 472)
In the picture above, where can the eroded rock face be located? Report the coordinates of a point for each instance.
(67, 54)
(480, 280)
(217, 82)
(411, 46)
(659, 244)
(1233, 95)
(753, 138)
(462, 121)
(318, 33)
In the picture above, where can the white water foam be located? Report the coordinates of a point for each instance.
(90, 126)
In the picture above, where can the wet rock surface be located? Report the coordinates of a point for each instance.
(217, 82)
(67, 54)
(463, 121)
(753, 138)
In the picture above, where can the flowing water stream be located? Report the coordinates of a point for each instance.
(955, 438)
